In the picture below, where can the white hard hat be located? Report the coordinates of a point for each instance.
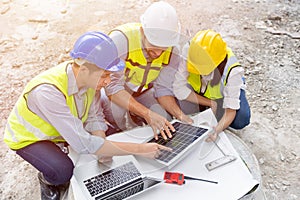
(161, 25)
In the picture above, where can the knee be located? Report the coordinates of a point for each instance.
(241, 120)
(66, 173)
(63, 172)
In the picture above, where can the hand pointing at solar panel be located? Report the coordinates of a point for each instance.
(149, 150)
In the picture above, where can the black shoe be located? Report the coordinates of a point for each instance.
(48, 191)
(64, 188)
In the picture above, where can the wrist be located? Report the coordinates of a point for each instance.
(146, 113)
(138, 149)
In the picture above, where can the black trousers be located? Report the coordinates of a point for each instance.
(49, 159)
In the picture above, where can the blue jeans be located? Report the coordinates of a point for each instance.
(242, 117)
(48, 158)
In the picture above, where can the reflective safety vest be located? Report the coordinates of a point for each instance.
(215, 92)
(25, 127)
(138, 71)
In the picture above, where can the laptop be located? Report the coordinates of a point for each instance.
(183, 140)
(119, 180)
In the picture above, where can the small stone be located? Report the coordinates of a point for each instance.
(35, 37)
(260, 25)
(294, 153)
(250, 60)
(284, 188)
(286, 183)
(63, 11)
(14, 66)
(255, 71)
(5, 9)
(245, 27)
(274, 107)
(261, 161)
(277, 186)
(38, 20)
(265, 104)
(274, 17)
(282, 158)
(67, 50)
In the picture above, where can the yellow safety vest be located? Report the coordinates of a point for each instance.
(138, 71)
(214, 92)
(25, 127)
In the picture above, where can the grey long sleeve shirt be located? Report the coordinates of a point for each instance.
(50, 104)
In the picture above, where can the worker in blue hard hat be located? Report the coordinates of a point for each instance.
(150, 52)
(58, 108)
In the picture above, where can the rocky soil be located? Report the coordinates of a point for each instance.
(264, 34)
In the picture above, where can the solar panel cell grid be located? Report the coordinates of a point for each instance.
(185, 135)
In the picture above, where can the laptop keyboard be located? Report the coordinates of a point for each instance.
(185, 135)
(107, 180)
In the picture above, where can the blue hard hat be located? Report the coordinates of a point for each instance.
(99, 49)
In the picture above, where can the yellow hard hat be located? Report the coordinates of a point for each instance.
(207, 50)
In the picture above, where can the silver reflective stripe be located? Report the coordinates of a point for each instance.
(37, 133)
(12, 133)
(232, 60)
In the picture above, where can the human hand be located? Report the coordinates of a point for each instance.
(104, 159)
(186, 119)
(212, 136)
(152, 150)
(161, 125)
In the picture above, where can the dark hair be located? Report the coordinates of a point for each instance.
(218, 72)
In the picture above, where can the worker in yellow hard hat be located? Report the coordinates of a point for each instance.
(148, 48)
(211, 76)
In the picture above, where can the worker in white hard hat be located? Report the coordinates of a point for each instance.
(148, 48)
(211, 76)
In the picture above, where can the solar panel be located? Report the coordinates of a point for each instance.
(183, 137)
